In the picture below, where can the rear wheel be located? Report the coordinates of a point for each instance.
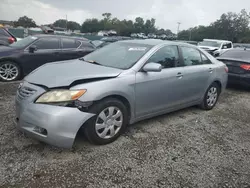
(211, 97)
(9, 71)
(109, 122)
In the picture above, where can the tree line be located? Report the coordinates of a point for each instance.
(230, 26)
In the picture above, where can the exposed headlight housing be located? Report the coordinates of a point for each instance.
(60, 95)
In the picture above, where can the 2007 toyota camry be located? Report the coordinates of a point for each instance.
(117, 85)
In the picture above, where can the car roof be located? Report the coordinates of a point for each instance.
(59, 36)
(155, 42)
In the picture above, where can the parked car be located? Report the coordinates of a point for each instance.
(151, 36)
(133, 35)
(6, 37)
(238, 63)
(108, 40)
(22, 57)
(119, 84)
(215, 47)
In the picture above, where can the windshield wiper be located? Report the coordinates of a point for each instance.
(90, 61)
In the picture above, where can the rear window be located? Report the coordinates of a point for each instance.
(3, 32)
(237, 54)
(70, 43)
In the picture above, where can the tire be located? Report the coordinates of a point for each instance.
(12, 69)
(211, 97)
(93, 132)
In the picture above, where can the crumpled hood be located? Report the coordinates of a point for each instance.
(208, 48)
(64, 73)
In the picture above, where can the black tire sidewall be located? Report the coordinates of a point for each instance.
(205, 105)
(18, 68)
(89, 126)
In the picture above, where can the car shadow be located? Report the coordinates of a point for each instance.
(238, 87)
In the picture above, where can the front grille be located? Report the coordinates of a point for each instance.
(25, 92)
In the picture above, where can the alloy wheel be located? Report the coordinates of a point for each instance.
(8, 71)
(212, 96)
(109, 122)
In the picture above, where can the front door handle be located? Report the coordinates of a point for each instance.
(211, 70)
(179, 75)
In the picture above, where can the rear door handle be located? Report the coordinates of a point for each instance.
(211, 70)
(179, 75)
(56, 53)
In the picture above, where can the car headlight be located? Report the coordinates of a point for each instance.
(56, 96)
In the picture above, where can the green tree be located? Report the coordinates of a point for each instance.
(25, 22)
(73, 26)
(139, 25)
(122, 27)
(230, 26)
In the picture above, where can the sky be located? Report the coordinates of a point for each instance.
(167, 13)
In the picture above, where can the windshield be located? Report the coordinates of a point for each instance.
(210, 44)
(118, 55)
(24, 42)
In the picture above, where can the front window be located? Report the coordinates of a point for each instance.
(167, 56)
(24, 42)
(47, 43)
(210, 44)
(121, 55)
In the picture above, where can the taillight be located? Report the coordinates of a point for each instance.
(245, 66)
(11, 40)
(226, 69)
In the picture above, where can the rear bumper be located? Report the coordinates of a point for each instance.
(61, 123)
(243, 80)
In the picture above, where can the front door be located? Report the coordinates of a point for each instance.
(47, 50)
(158, 91)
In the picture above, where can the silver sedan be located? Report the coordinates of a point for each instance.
(119, 84)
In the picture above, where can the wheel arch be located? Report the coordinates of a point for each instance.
(219, 84)
(124, 100)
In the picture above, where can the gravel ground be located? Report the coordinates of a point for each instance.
(188, 148)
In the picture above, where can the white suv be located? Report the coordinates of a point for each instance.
(215, 47)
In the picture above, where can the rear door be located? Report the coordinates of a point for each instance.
(69, 48)
(73, 48)
(198, 72)
(48, 49)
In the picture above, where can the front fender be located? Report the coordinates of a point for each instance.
(119, 86)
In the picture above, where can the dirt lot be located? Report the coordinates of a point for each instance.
(188, 148)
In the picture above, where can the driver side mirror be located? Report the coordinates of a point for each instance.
(152, 67)
(32, 48)
(224, 47)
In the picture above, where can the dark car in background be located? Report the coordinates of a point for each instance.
(6, 37)
(238, 63)
(107, 40)
(22, 57)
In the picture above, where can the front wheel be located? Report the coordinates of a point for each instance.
(9, 71)
(211, 97)
(109, 122)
